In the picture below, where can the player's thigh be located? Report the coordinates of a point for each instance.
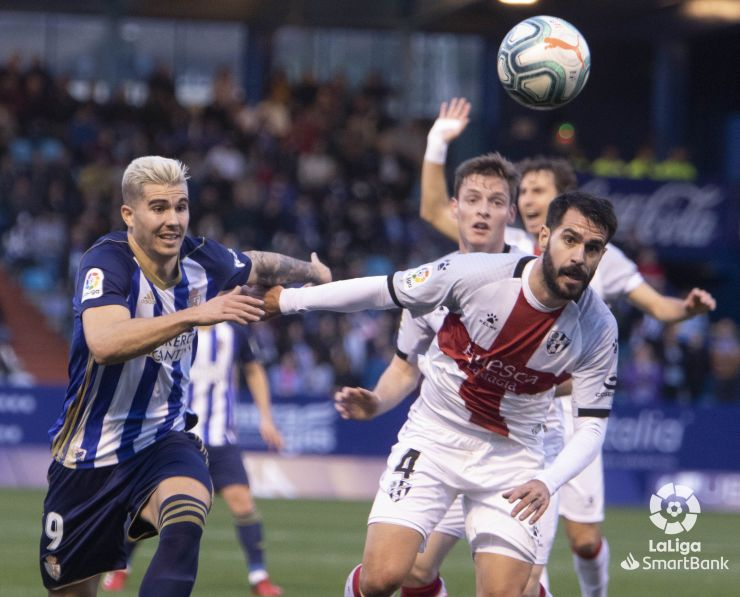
(490, 528)
(176, 466)
(548, 527)
(427, 564)
(389, 553)
(497, 575)
(533, 582)
(413, 490)
(83, 524)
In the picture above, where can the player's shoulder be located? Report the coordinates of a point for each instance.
(595, 314)
(112, 247)
(615, 256)
(521, 239)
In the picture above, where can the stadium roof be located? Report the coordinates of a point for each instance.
(643, 18)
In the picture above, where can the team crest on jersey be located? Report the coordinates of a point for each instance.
(417, 278)
(557, 342)
(92, 287)
(53, 567)
(79, 454)
(490, 321)
(193, 298)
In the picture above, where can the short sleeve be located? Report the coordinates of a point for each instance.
(595, 377)
(226, 267)
(619, 274)
(414, 337)
(104, 277)
(422, 288)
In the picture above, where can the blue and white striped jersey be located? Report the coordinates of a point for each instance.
(213, 386)
(112, 412)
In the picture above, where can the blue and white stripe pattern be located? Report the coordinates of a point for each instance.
(112, 412)
(213, 387)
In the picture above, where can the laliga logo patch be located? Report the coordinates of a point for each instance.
(674, 509)
(420, 276)
(93, 285)
(557, 342)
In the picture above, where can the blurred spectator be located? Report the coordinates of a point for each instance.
(725, 360)
(642, 375)
(643, 164)
(609, 164)
(676, 166)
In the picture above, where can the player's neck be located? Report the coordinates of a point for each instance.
(163, 275)
(540, 290)
(497, 247)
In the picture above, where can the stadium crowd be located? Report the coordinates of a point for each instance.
(314, 166)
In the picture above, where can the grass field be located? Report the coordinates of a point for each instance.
(312, 545)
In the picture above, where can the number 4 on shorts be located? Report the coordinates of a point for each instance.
(406, 466)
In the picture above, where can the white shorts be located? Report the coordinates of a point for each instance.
(453, 524)
(432, 464)
(582, 498)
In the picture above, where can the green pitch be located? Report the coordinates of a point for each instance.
(312, 545)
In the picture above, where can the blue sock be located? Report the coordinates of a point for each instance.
(174, 566)
(249, 531)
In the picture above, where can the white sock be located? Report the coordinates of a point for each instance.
(593, 573)
(349, 590)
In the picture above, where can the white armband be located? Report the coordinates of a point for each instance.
(436, 151)
(344, 296)
(577, 454)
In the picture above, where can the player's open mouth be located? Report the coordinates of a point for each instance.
(481, 226)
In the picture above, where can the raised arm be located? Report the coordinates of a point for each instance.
(434, 207)
(398, 380)
(669, 309)
(269, 269)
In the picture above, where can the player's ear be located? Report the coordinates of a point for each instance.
(512, 213)
(543, 238)
(127, 214)
(453, 207)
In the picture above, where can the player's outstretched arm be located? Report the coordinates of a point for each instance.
(344, 296)
(259, 387)
(434, 207)
(669, 309)
(269, 269)
(397, 381)
(113, 336)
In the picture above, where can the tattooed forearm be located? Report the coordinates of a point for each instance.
(269, 269)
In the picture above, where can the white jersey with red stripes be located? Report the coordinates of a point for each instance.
(499, 352)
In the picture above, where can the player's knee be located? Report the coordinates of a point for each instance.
(586, 547)
(380, 582)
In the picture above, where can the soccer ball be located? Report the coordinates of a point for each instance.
(543, 62)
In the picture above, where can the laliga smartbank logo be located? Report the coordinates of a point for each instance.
(674, 509)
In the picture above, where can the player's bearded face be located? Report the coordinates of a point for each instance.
(566, 282)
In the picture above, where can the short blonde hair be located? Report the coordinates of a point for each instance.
(151, 169)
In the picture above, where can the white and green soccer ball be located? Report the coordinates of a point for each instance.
(543, 62)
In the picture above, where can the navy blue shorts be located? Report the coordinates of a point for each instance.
(226, 466)
(89, 513)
